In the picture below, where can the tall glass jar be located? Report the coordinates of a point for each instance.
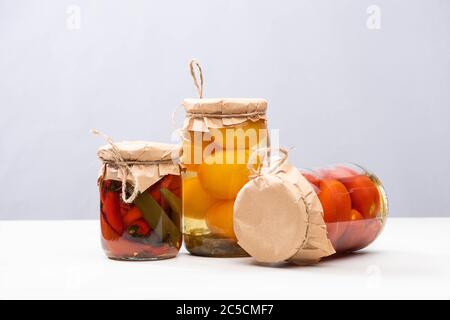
(140, 200)
(354, 204)
(219, 136)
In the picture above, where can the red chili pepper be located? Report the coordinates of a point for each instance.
(125, 248)
(154, 190)
(108, 232)
(140, 228)
(175, 186)
(166, 181)
(131, 216)
(175, 183)
(177, 192)
(111, 208)
(124, 208)
(104, 185)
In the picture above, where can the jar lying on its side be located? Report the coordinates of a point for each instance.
(354, 204)
(140, 220)
(301, 216)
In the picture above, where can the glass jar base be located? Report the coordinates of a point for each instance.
(213, 246)
(137, 259)
(122, 251)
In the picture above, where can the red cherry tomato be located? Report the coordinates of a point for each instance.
(335, 200)
(364, 195)
(354, 233)
(373, 228)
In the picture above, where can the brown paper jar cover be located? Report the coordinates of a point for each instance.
(278, 217)
(148, 162)
(202, 114)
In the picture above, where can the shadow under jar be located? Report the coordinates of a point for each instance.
(140, 201)
(219, 136)
(354, 204)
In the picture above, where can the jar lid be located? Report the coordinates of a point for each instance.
(139, 151)
(225, 106)
(137, 163)
(203, 114)
(278, 217)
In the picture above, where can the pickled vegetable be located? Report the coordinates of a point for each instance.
(219, 219)
(210, 187)
(199, 200)
(246, 135)
(224, 173)
(148, 228)
(353, 203)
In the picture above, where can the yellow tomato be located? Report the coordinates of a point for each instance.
(219, 219)
(245, 135)
(195, 146)
(195, 200)
(224, 173)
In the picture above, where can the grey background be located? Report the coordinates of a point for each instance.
(337, 90)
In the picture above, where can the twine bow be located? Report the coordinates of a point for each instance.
(264, 155)
(123, 167)
(199, 86)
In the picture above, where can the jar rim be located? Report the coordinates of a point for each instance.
(224, 106)
(139, 152)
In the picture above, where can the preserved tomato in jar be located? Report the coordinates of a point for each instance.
(300, 216)
(219, 136)
(354, 204)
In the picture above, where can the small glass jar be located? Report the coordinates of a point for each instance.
(140, 220)
(354, 204)
(219, 136)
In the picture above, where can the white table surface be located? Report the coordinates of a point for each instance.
(63, 259)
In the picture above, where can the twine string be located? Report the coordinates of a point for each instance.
(123, 167)
(264, 155)
(199, 85)
(228, 115)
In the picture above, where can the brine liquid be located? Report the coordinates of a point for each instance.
(354, 203)
(147, 229)
(213, 175)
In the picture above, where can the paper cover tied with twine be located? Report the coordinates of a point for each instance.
(202, 114)
(278, 217)
(138, 163)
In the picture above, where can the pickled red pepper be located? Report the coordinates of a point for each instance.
(140, 200)
(144, 223)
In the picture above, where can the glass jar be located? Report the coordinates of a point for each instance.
(219, 136)
(140, 201)
(354, 204)
(285, 214)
